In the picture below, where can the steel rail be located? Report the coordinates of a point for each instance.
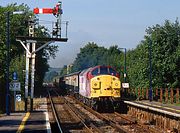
(102, 117)
(55, 113)
(83, 120)
(135, 122)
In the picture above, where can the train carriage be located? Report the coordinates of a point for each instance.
(72, 82)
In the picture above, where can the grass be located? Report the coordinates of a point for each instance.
(176, 104)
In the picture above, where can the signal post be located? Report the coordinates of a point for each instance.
(29, 44)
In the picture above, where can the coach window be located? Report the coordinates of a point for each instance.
(95, 72)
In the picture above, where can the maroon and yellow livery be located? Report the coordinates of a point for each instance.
(95, 85)
(99, 81)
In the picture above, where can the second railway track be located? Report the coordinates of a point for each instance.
(75, 117)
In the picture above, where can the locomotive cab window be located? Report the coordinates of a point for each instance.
(95, 72)
(112, 71)
(104, 70)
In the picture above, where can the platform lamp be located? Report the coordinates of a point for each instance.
(150, 70)
(125, 75)
(124, 67)
(7, 56)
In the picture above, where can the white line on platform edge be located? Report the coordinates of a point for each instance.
(48, 127)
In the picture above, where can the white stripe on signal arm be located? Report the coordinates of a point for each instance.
(41, 10)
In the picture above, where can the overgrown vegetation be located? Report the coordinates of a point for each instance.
(19, 27)
(165, 40)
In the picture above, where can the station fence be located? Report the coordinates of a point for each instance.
(164, 95)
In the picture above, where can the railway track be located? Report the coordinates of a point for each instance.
(54, 112)
(114, 121)
(92, 118)
(129, 123)
(69, 118)
(122, 122)
(74, 116)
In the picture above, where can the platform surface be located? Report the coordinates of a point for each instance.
(169, 107)
(36, 121)
(10, 124)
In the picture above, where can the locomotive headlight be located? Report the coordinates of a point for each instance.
(95, 84)
(116, 84)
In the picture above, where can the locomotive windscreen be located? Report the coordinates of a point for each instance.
(104, 71)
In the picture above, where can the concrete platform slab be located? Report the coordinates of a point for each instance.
(36, 123)
(171, 110)
(169, 107)
(10, 124)
(30, 122)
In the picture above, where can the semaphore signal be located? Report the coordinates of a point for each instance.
(57, 10)
(31, 40)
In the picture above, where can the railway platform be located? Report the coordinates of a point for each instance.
(30, 122)
(165, 108)
(168, 107)
(164, 116)
(11, 123)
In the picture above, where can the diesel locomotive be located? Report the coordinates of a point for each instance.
(98, 87)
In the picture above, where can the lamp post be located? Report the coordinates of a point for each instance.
(7, 57)
(150, 71)
(7, 63)
(124, 64)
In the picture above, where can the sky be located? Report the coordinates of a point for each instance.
(105, 22)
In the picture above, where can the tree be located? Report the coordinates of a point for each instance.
(93, 55)
(19, 27)
(165, 57)
(88, 57)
